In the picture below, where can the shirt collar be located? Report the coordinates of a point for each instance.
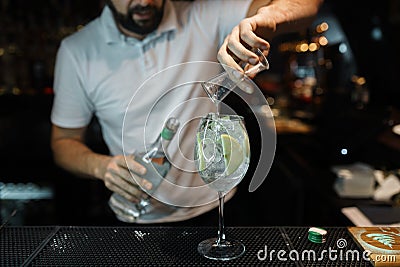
(112, 34)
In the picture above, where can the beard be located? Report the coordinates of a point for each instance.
(141, 27)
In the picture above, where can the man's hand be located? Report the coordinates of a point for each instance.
(265, 20)
(123, 176)
(237, 46)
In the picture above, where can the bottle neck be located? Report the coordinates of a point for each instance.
(156, 151)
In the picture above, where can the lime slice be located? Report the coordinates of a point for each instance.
(233, 153)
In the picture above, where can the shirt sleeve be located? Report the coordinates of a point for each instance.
(231, 13)
(71, 106)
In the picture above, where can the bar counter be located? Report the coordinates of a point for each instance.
(169, 246)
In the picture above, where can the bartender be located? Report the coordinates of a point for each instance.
(100, 68)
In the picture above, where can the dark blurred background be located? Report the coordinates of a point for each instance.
(333, 90)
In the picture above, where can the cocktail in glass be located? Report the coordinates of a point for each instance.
(222, 157)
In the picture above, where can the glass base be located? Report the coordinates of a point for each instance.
(228, 250)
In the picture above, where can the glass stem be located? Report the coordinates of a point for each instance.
(221, 230)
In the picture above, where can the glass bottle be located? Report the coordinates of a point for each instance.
(155, 160)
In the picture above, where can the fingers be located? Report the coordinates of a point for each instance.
(132, 165)
(122, 176)
(229, 63)
(233, 53)
(247, 34)
(237, 46)
(127, 190)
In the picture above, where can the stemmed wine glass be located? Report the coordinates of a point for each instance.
(222, 157)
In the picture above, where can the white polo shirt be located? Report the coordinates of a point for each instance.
(133, 86)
